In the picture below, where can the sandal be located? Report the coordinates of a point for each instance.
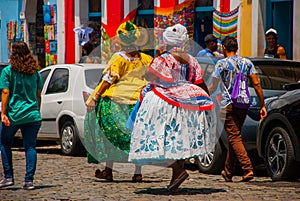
(103, 175)
(137, 178)
(177, 182)
(227, 177)
(247, 177)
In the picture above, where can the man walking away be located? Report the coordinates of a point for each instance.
(225, 72)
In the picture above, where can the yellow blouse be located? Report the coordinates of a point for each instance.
(128, 77)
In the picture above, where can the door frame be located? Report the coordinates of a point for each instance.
(285, 36)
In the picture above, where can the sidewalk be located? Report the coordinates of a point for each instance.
(71, 178)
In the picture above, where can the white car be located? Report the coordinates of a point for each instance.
(66, 87)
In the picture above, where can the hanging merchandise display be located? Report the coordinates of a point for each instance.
(15, 32)
(169, 13)
(225, 24)
(50, 34)
(83, 34)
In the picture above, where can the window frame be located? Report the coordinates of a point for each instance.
(92, 16)
(63, 88)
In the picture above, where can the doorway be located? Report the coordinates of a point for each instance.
(280, 17)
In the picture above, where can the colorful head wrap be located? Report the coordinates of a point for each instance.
(175, 35)
(128, 32)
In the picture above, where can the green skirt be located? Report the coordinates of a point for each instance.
(106, 137)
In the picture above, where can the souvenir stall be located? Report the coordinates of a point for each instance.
(169, 13)
(50, 34)
(37, 27)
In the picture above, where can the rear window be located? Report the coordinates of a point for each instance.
(274, 77)
(92, 77)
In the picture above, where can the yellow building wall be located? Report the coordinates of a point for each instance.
(246, 28)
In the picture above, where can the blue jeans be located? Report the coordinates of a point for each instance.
(29, 134)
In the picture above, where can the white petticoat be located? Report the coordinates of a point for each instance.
(165, 132)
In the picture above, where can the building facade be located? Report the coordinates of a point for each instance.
(59, 41)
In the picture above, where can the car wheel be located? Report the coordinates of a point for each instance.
(213, 162)
(279, 156)
(70, 142)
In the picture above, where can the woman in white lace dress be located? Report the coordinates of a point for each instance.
(171, 124)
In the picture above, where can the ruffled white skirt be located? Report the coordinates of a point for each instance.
(165, 132)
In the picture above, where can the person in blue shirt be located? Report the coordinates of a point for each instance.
(21, 85)
(211, 44)
(234, 117)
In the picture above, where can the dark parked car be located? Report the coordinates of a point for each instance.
(278, 136)
(273, 74)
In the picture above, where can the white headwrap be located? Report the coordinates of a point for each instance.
(175, 35)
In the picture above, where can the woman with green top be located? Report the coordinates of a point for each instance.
(21, 85)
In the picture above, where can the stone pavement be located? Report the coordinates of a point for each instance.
(67, 178)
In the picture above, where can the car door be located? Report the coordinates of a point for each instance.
(53, 95)
(272, 76)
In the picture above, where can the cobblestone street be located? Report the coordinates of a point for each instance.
(67, 178)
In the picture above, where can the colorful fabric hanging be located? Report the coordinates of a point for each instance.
(225, 23)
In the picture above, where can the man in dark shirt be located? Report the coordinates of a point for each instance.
(273, 49)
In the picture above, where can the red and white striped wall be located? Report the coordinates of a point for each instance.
(115, 12)
(226, 5)
(167, 3)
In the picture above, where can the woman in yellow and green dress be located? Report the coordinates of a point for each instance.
(109, 140)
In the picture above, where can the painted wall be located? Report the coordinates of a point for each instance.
(9, 10)
(51, 1)
(258, 27)
(226, 5)
(245, 29)
(71, 17)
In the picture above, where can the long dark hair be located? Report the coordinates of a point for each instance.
(22, 60)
